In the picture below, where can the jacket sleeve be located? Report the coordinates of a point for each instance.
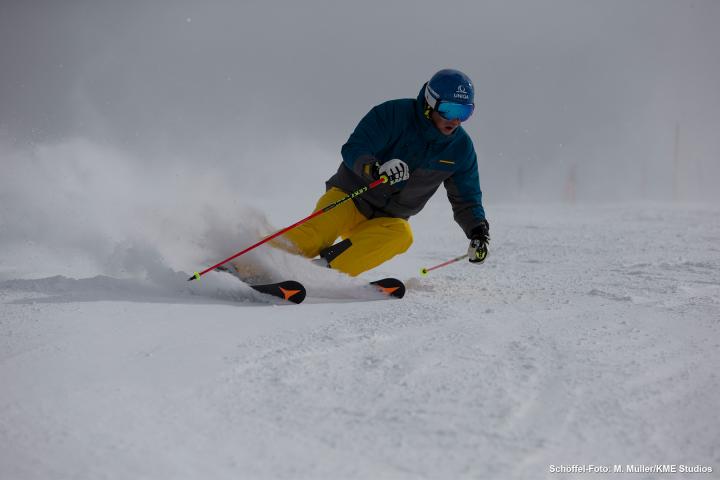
(463, 191)
(372, 134)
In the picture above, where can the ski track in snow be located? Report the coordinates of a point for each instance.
(591, 335)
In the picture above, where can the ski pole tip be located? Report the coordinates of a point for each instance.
(196, 276)
(424, 272)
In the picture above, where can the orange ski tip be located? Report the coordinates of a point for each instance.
(389, 290)
(289, 293)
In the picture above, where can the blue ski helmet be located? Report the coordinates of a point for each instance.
(451, 93)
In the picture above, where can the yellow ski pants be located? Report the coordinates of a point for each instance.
(374, 241)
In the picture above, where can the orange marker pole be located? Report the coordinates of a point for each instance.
(359, 191)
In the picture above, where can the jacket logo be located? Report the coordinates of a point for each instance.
(447, 162)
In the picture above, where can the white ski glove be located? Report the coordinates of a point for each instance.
(396, 170)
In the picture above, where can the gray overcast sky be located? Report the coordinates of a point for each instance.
(583, 86)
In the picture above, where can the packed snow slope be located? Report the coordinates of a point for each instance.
(590, 336)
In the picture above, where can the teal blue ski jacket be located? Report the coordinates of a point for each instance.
(400, 129)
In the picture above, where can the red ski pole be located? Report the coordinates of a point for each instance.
(359, 191)
(425, 270)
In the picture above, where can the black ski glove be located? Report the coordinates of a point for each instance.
(479, 240)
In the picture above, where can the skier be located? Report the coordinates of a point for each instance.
(418, 144)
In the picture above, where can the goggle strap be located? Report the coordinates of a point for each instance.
(431, 96)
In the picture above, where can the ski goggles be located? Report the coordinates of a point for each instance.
(455, 111)
(448, 110)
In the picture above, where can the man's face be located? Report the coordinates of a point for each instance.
(446, 127)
